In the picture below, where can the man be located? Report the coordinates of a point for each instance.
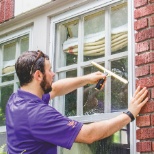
(34, 127)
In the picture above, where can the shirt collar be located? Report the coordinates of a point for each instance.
(28, 95)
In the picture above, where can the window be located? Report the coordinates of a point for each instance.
(94, 33)
(11, 46)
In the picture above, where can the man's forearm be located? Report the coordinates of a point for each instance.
(65, 86)
(100, 130)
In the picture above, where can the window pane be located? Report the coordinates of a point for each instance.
(70, 98)
(93, 100)
(94, 36)
(68, 41)
(118, 143)
(3, 143)
(9, 53)
(9, 77)
(24, 44)
(119, 90)
(9, 57)
(119, 29)
(5, 93)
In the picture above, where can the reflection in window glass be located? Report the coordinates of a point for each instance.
(93, 100)
(71, 98)
(3, 143)
(119, 36)
(118, 143)
(24, 44)
(119, 90)
(9, 77)
(69, 42)
(94, 36)
(5, 93)
(9, 53)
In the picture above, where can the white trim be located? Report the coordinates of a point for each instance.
(95, 117)
(83, 9)
(2, 129)
(131, 70)
(10, 36)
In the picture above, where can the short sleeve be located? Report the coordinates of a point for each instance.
(46, 98)
(51, 126)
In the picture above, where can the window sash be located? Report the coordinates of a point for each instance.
(130, 53)
(6, 39)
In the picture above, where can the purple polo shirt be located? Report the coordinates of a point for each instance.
(35, 127)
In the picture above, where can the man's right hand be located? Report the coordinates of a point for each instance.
(138, 101)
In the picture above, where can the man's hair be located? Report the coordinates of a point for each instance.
(28, 63)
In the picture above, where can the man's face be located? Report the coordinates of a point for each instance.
(48, 77)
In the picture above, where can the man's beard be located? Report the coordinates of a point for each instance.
(46, 87)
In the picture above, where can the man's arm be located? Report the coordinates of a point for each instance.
(99, 130)
(65, 86)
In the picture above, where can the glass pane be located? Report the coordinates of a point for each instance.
(119, 28)
(118, 143)
(5, 93)
(9, 77)
(9, 58)
(24, 44)
(9, 51)
(3, 143)
(71, 98)
(68, 43)
(93, 100)
(119, 90)
(94, 36)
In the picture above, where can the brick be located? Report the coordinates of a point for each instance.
(151, 44)
(151, 68)
(144, 11)
(143, 121)
(152, 93)
(139, 3)
(151, 1)
(147, 108)
(152, 119)
(145, 133)
(142, 70)
(151, 21)
(142, 46)
(9, 9)
(152, 146)
(2, 11)
(145, 146)
(140, 24)
(144, 35)
(146, 82)
(144, 58)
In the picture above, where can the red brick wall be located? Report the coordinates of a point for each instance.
(144, 61)
(6, 10)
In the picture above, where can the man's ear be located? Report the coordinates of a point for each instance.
(38, 75)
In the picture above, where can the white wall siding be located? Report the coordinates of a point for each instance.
(22, 6)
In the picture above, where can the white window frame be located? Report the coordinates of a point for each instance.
(131, 75)
(7, 38)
